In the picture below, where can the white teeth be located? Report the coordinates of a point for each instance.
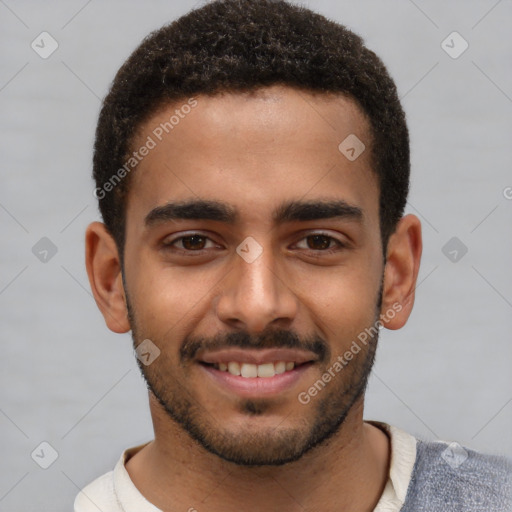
(233, 368)
(266, 370)
(250, 370)
(280, 367)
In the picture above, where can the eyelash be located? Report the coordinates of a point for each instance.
(317, 252)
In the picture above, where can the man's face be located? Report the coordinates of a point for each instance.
(259, 274)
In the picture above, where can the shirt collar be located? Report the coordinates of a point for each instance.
(403, 457)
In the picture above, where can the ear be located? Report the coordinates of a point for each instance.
(104, 271)
(401, 272)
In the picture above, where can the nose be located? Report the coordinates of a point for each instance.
(255, 295)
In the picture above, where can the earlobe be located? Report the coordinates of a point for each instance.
(401, 272)
(104, 271)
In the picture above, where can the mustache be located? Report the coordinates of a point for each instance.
(267, 339)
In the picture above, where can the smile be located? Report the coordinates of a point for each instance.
(248, 370)
(256, 372)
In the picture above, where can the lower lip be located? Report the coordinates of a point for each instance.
(257, 386)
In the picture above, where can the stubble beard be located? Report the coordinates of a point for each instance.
(273, 445)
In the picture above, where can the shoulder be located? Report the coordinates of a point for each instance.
(108, 492)
(98, 495)
(448, 476)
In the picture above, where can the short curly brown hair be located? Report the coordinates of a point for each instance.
(243, 45)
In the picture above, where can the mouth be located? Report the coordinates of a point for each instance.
(250, 373)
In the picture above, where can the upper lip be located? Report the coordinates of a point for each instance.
(256, 356)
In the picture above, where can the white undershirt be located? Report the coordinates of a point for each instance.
(115, 492)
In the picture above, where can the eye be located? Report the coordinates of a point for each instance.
(322, 242)
(191, 243)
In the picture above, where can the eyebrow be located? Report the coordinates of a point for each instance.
(290, 211)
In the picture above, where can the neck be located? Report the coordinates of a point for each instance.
(347, 472)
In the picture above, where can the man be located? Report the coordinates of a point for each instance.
(252, 169)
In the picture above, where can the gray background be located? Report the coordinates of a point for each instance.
(67, 380)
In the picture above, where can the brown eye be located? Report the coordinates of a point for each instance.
(194, 242)
(319, 242)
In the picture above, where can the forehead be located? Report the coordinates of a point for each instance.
(256, 149)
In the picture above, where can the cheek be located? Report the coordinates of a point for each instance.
(343, 302)
(169, 300)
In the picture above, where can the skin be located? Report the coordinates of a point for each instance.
(254, 152)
